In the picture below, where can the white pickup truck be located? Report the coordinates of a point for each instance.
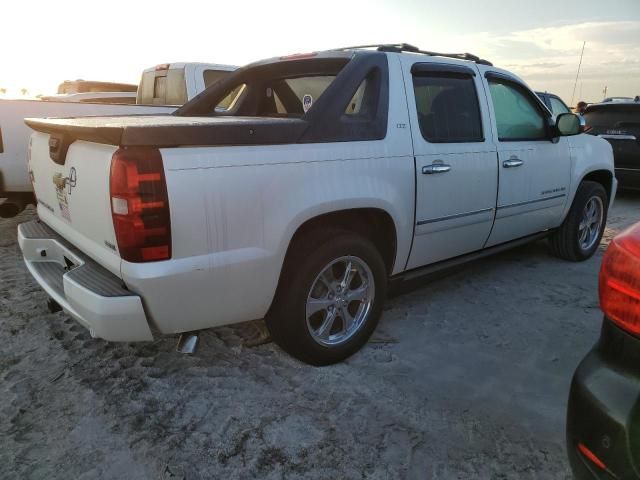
(162, 89)
(321, 178)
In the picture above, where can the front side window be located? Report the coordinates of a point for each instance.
(517, 115)
(448, 109)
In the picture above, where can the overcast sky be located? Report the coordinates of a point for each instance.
(45, 42)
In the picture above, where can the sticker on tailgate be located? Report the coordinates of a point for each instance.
(64, 185)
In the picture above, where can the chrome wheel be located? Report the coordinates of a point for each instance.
(591, 223)
(340, 300)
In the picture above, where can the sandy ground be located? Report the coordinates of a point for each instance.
(466, 377)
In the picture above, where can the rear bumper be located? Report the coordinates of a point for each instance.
(604, 408)
(92, 295)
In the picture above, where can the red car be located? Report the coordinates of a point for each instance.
(603, 419)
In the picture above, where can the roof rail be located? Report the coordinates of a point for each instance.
(406, 47)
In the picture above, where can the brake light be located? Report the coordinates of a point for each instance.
(140, 205)
(619, 281)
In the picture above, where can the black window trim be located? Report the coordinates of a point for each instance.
(423, 69)
(444, 69)
(538, 102)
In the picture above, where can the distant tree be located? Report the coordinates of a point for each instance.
(24, 91)
(3, 91)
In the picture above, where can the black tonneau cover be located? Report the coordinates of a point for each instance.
(172, 131)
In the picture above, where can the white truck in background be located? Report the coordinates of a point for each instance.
(161, 90)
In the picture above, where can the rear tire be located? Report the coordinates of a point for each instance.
(578, 237)
(348, 306)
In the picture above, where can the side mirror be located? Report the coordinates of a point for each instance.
(568, 124)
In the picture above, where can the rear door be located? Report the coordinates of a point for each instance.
(456, 164)
(534, 168)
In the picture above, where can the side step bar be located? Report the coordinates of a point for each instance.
(444, 265)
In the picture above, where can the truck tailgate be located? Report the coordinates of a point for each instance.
(73, 198)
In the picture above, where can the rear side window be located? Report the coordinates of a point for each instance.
(448, 108)
(517, 114)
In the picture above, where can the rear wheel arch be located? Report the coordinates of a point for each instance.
(375, 224)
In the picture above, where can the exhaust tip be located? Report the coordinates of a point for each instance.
(188, 343)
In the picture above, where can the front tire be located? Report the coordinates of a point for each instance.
(330, 297)
(578, 237)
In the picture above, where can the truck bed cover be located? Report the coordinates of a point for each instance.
(171, 131)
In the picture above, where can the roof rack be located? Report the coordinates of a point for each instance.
(406, 47)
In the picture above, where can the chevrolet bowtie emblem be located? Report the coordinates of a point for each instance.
(61, 182)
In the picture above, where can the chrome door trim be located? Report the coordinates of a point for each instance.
(519, 204)
(457, 215)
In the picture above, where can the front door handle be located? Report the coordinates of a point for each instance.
(435, 168)
(512, 162)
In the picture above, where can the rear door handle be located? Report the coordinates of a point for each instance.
(435, 168)
(512, 162)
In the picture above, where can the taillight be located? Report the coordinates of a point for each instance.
(620, 280)
(591, 456)
(140, 205)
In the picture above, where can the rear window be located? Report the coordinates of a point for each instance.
(163, 87)
(614, 119)
(213, 76)
(281, 96)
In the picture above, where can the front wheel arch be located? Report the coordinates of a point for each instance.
(603, 177)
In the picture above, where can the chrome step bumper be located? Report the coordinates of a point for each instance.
(88, 292)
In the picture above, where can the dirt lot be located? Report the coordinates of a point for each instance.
(467, 377)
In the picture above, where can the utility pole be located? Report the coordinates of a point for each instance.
(604, 92)
(577, 74)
